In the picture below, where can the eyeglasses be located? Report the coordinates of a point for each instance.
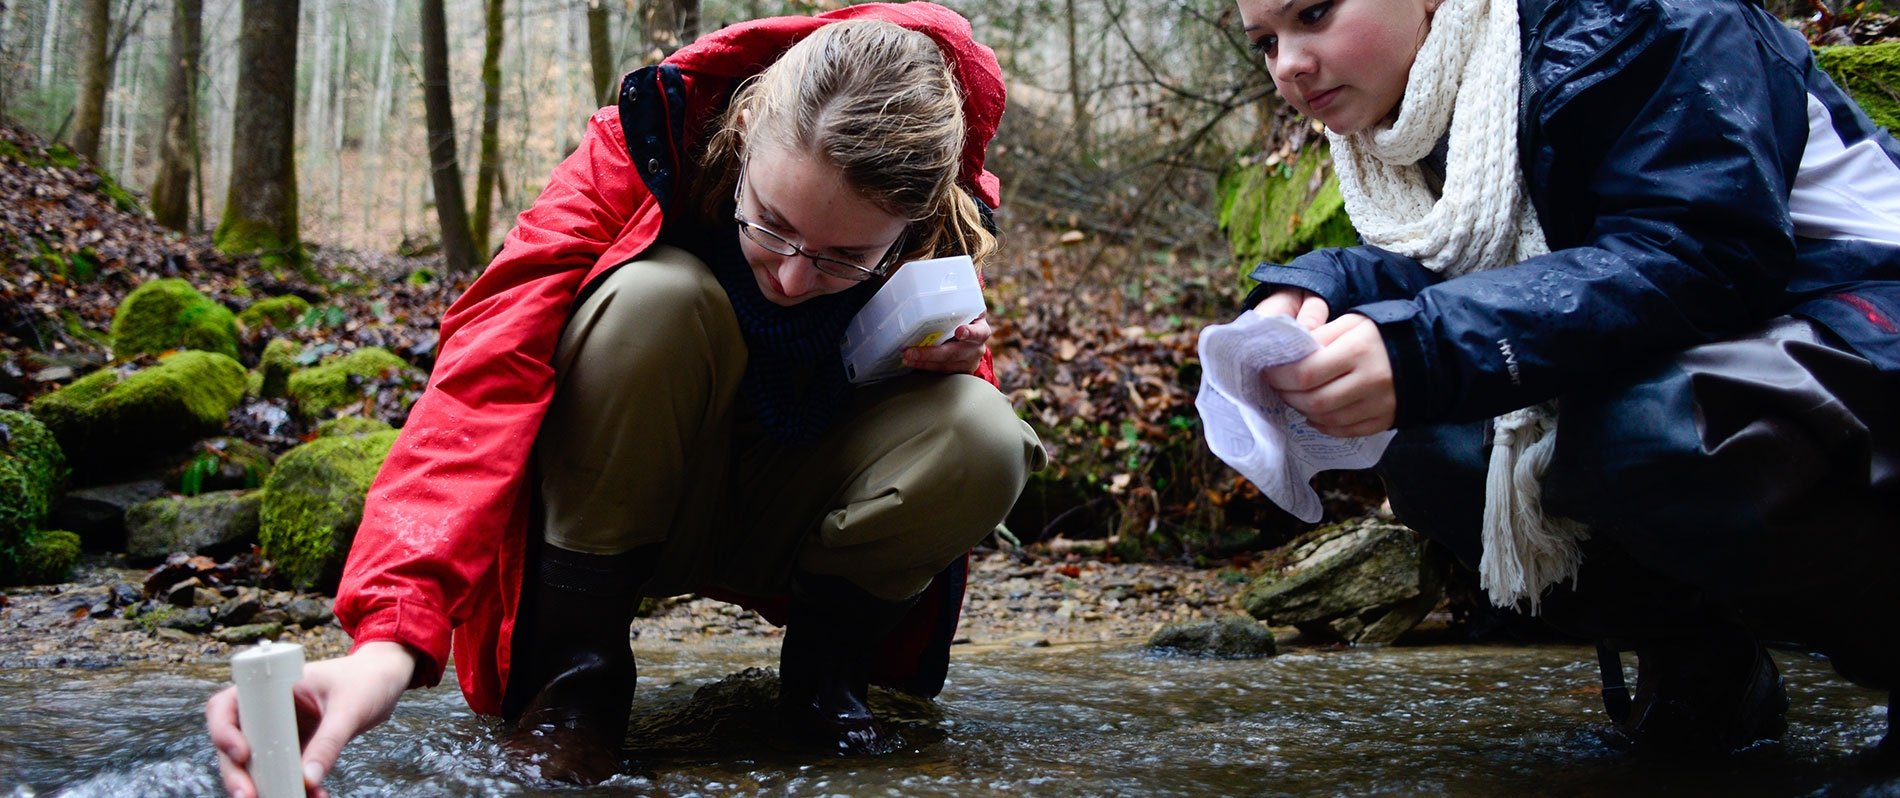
(779, 245)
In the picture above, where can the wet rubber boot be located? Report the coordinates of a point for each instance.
(573, 676)
(1706, 696)
(831, 635)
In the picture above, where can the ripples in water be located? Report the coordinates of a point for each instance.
(1063, 721)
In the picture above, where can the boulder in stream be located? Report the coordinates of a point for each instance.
(1363, 581)
(313, 502)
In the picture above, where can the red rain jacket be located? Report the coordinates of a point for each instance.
(443, 535)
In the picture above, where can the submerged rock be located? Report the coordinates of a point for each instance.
(313, 502)
(1364, 581)
(1231, 637)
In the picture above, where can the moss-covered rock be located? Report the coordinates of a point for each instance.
(350, 425)
(31, 469)
(44, 557)
(271, 380)
(1871, 73)
(346, 379)
(213, 523)
(168, 314)
(313, 502)
(280, 312)
(1274, 213)
(111, 419)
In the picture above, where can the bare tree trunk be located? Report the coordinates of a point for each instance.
(491, 124)
(1078, 101)
(450, 211)
(130, 90)
(8, 62)
(49, 42)
(260, 206)
(378, 111)
(171, 189)
(686, 15)
(95, 71)
(662, 27)
(600, 51)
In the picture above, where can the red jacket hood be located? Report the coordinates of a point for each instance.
(743, 50)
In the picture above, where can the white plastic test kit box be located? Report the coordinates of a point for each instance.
(922, 304)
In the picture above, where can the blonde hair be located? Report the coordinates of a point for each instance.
(878, 102)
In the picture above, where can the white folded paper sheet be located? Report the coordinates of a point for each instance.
(1252, 430)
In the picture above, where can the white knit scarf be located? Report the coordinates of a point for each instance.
(1465, 79)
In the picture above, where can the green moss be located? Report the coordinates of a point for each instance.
(272, 378)
(1272, 214)
(168, 314)
(1871, 73)
(238, 236)
(45, 557)
(350, 425)
(313, 502)
(32, 466)
(108, 415)
(340, 381)
(421, 276)
(62, 156)
(281, 312)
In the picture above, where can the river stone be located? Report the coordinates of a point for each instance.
(183, 594)
(1230, 637)
(239, 635)
(240, 610)
(194, 619)
(1362, 581)
(218, 523)
(98, 514)
(308, 612)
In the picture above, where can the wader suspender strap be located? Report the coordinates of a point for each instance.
(1616, 695)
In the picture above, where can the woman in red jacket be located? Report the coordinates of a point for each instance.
(643, 395)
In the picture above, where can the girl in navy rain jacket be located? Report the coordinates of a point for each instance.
(1631, 295)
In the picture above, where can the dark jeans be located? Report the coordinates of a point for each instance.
(1754, 481)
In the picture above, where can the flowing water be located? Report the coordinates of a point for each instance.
(1079, 720)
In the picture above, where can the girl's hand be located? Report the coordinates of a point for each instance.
(959, 355)
(337, 699)
(1345, 389)
(1304, 306)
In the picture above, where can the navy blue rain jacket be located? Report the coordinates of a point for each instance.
(1695, 175)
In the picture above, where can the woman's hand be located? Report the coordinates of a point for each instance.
(1304, 306)
(959, 355)
(336, 700)
(1344, 389)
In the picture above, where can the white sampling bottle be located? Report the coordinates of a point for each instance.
(922, 304)
(264, 674)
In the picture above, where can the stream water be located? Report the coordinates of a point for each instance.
(1075, 720)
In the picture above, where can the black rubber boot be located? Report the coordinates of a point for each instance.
(1706, 696)
(831, 635)
(573, 675)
